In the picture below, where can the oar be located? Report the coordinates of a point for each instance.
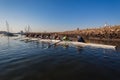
(53, 44)
(17, 38)
(56, 43)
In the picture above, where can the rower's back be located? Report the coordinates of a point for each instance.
(80, 39)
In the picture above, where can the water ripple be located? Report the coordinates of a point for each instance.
(34, 61)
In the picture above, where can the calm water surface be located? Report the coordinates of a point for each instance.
(21, 60)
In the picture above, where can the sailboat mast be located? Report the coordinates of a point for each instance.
(28, 28)
(7, 25)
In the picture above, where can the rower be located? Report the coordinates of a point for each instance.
(35, 36)
(65, 38)
(80, 39)
(55, 36)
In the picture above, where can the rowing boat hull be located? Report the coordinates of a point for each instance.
(74, 43)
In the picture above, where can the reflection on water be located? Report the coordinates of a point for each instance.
(117, 48)
(79, 49)
(108, 42)
(44, 61)
(8, 41)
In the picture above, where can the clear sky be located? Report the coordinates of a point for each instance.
(58, 15)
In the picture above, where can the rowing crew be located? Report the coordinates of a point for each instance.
(56, 37)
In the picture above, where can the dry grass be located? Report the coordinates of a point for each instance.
(108, 32)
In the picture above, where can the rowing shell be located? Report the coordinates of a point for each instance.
(74, 43)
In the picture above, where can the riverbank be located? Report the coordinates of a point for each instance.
(105, 35)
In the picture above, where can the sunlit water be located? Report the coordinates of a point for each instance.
(21, 60)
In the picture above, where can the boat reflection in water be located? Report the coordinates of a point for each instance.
(117, 48)
(79, 49)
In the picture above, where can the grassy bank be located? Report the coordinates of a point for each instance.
(108, 32)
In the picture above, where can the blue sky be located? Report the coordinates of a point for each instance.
(58, 15)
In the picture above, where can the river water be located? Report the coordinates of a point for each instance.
(22, 60)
